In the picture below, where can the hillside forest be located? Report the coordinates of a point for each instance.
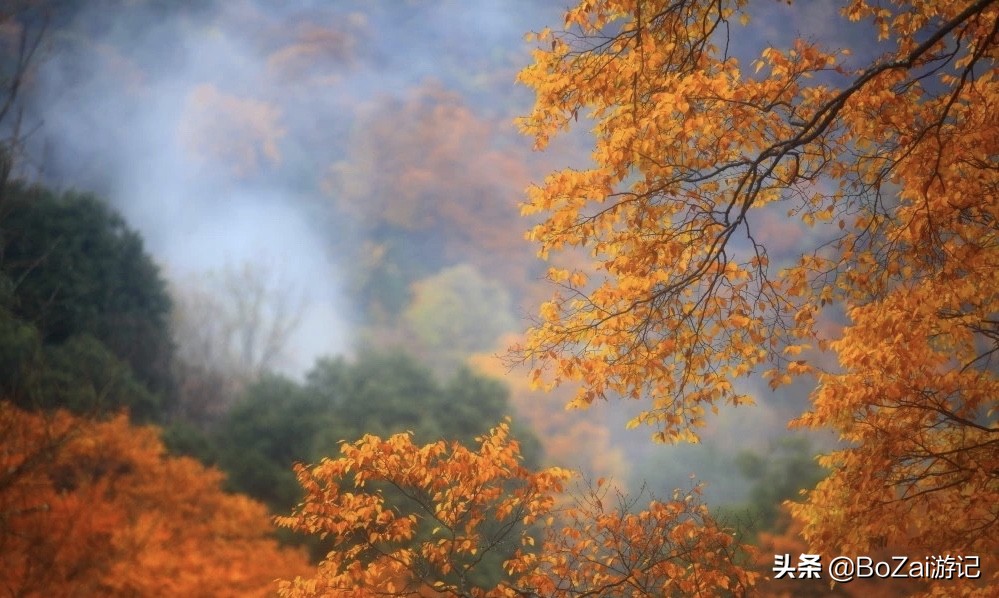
(499, 298)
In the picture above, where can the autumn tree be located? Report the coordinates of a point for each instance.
(888, 166)
(96, 508)
(464, 507)
(786, 539)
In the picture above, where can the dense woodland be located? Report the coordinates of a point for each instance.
(719, 223)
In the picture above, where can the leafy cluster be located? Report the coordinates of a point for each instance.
(471, 505)
(885, 170)
(97, 508)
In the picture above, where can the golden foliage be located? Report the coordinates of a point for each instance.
(605, 547)
(458, 505)
(890, 166)
(97, 509)
(473, 503)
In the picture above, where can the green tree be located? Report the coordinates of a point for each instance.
(381, 393)
(80, 373)
(471, 401)
(75, 269)
(274, 425)
(384, 393)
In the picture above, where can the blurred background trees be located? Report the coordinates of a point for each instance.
(232, 326)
